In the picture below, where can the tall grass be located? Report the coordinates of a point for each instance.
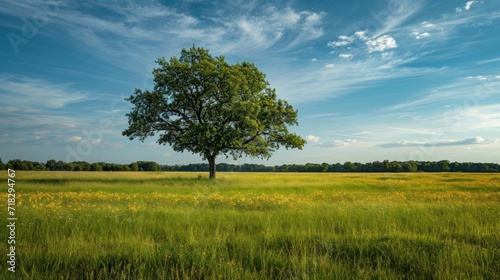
(256, 226)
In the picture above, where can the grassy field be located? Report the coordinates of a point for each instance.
(84, 225)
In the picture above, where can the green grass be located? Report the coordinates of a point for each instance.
(255, 226)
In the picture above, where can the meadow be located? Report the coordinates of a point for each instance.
(159, 225)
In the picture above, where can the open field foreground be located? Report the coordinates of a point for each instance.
(135, 225)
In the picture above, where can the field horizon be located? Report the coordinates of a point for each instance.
(176, 225)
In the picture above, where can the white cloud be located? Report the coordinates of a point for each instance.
(361, 35)
(425, 34)
(115, 145)
(333, 81)
(75, 139)
(68, 125)
(166, 155)
(312, 138)
(337, 143)
(448, 142)
(344, 41)
(423, 30)
(387, 55)
(365, 133)
(474, 118)
(32, 92)
(399, 14)
(138, 32)
(374, 44)
(466, 7)
(346, 55)
(418, 35)
(151, 144)
(467, 91)
(479, 78)
(346, 38)
(381, 44)
(469, 4)
(428, 25)
(79, 138)
(271, 25)
(338, 43)
(489, 60)
(41, 132)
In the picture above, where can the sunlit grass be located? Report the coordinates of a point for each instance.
(256, 226)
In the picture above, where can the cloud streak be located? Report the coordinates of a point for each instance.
(443, 143)
(333, 80)
(33, 92)
(373, 44)
(472, 90)
(336, 143)
(312, 138)
(134, 24)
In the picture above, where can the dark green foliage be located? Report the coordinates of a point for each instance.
(377, 166)
(148, 166)
(206, 106)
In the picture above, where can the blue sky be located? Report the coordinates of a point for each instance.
(372, 80)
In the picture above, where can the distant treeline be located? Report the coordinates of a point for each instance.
(376, 166)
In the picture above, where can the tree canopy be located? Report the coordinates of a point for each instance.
(204, 105)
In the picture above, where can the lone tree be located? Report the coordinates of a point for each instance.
(206, 106)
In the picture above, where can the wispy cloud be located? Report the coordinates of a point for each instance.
(434, 32)
(269, 27)
(479, 116)
(469, 4)
(466, 7)
(336, 143)
(473, 89)
(489, 61)
(448, 25)
(380, 44)
(346, 55)
(343, 41)
(395, 15)
(122, 37)
(333, 80)
(423, 31)
(33, 93)
(34, 110)
(373, 44)
(75, 139)
(151, 144)
(470, 141)
(312, 138)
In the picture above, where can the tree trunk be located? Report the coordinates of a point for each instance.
(211, 163)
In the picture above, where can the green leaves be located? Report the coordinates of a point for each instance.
(204, 105)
